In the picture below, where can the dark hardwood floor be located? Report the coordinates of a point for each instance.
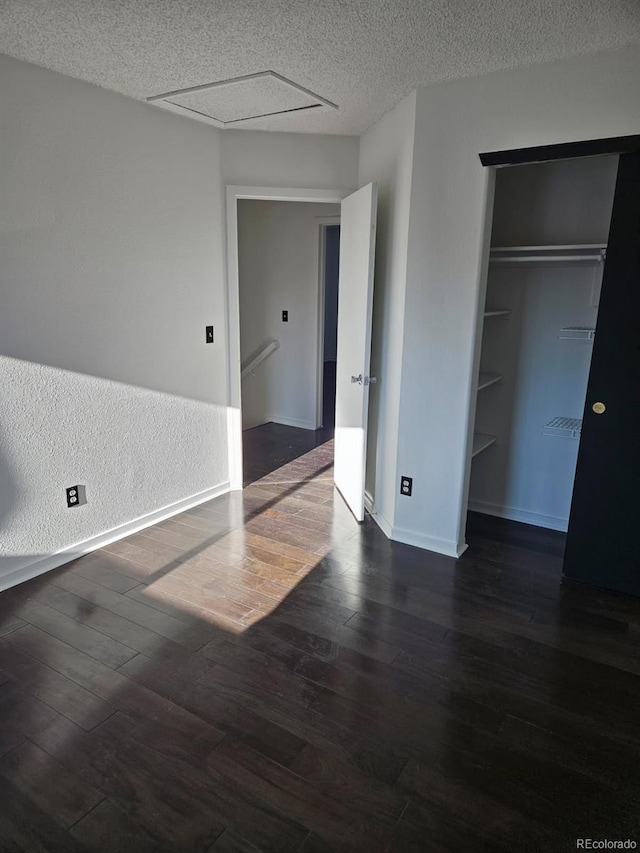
(262, 674)
(270, 446)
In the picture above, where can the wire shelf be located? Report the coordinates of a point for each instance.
(561, 427)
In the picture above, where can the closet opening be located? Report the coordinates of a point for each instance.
(548, 249)
(557, 410)
(548, 246)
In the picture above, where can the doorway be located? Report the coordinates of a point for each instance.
(358, 212)
(234, 410)
(288, 255)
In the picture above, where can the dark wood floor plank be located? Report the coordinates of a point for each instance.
(380, 760)
(182, 686)
(171, 594)
(232, 842)
(129, 633)
(342, 825)
(10, 623)
(113, 687)
(46, 782)
(63, 694)
(22, 715)
(24, 827)
(268, 680)
(200, 802)
(160, 793)
(97, 645)
(261, 673)
(330, 773)
(147, 558)
(107, 569)
(148, 617)
(108, 829)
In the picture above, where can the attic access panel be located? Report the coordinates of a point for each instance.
(240, 99)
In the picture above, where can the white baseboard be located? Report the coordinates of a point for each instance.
(551, 522)
(293, 422)
(256, 424)
(277, 419)
(383, 523)
(410, 537)
(66, 555)
(429, 543)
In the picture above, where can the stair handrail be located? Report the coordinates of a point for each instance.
(249, 366)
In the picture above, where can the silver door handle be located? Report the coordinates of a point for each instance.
(356, 379)
(370, 380)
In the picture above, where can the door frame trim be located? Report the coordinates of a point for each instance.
(234, 193)
(562, 151)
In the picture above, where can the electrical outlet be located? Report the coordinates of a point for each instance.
(76, 496)
(209, 334)
(406, 486)
(285, 316)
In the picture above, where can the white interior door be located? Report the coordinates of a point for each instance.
(355, 308)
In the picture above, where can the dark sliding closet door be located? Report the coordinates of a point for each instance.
(603, 540)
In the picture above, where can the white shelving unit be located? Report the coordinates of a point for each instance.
(487, 379)
(578, 253)
(481, 441)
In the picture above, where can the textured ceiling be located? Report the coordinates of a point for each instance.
(364, 55)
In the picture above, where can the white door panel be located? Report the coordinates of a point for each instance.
(355, 311)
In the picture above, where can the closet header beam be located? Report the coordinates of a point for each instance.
(562, 151)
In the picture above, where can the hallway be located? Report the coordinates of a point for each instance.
(261, 673)
(270, 446)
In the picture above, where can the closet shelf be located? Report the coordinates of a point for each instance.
(563, 427)
(499, 312)
(585, 253)
(481, 441)
(487, 379)
(577, 333)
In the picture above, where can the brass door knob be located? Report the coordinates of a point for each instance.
(599, 408)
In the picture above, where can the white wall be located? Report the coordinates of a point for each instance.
(289, 160)
(386, 156)
(588, 97)
(111, 267)
(278, 262)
